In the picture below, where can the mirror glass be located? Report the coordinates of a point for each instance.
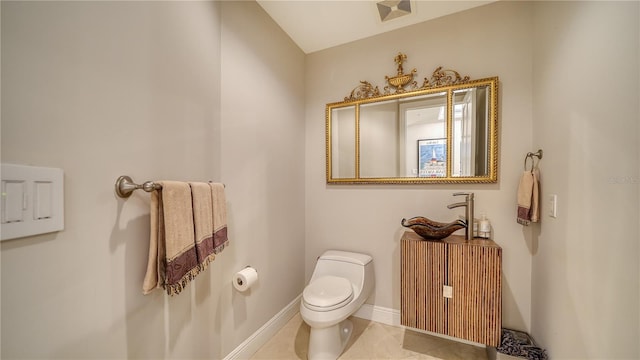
(424, 123)
(470, 155)
(442, 134)
(343, 145)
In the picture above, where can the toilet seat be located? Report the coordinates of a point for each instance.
(327, 293)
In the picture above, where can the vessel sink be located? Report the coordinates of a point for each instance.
(432, 230)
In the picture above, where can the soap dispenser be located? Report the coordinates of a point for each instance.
(484, 228)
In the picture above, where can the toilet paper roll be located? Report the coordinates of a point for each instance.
(245, 278)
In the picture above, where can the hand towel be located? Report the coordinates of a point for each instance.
(172, 253)
(528, 198)
(220, 239)
(150, 281)
(203, 222)
(535, 197)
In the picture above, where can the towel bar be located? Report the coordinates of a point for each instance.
(125, 186)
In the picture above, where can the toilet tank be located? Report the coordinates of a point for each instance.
(349, 265)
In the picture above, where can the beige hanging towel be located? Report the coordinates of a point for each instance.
(173, 260)
(528, 198)
(220, 239)
(203, 222)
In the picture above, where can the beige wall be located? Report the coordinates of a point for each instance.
(262, 157)
(483, 42)
(585, 285)
(154, 90)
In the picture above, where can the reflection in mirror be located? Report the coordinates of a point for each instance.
(343, 146)
(424, 123)
(379, 144)
(469, 132)
(403, 137)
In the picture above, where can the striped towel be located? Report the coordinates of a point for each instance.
(528, 198)
(188, 227)
(220, 239)
(172, 255)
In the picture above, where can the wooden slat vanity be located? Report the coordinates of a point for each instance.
(472, 270)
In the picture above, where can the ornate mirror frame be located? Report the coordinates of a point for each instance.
(403, 87)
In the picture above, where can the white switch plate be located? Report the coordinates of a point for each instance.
(32, 201)
(553, 205)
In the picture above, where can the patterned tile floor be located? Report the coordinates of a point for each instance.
(370, 340)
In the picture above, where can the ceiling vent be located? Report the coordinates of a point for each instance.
(392, 9)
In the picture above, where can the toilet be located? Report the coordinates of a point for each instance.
(339, 285)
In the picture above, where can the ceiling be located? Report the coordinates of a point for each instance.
(320, 24)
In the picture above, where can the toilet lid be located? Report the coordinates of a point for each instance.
(327, 293)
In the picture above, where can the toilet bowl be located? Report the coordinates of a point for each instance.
(339, 285)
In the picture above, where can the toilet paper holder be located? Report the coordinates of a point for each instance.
(245, 278)
(239, 281)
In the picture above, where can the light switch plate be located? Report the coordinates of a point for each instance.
(32, 201)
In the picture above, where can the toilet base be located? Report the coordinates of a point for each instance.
(328, 343)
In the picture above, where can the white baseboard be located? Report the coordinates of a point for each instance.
(254, 342)
(378, 314)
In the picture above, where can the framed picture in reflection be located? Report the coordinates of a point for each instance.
(432, 157)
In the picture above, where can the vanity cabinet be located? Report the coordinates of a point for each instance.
(452, 287)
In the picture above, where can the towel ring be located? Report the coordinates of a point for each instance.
(530, 155)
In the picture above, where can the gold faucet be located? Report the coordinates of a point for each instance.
(468, 204)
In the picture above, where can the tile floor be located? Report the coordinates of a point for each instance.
(370, 340)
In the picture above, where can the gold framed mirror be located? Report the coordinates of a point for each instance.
(445, 131)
